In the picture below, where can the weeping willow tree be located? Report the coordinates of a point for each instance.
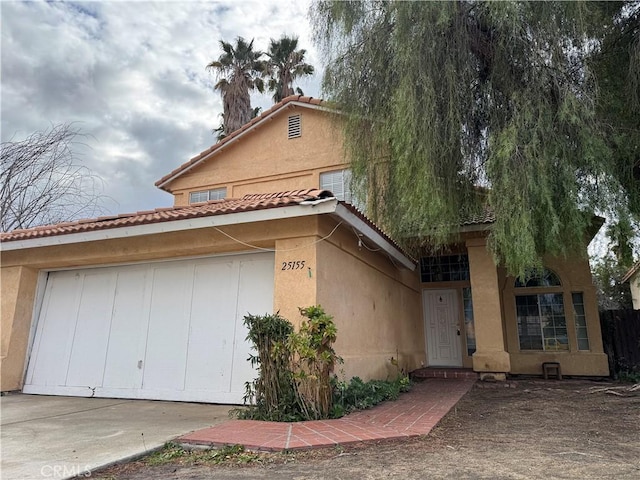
(455, 108)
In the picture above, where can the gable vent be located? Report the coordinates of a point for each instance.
(295, 129)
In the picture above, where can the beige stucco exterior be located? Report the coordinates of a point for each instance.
(382, 321)
(376, 304)
(299, 239)
(265, 160)
(575, 275)
(491, 355)
(18, 286)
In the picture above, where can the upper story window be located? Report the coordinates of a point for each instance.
(444, 268)
(294, 126)
(337, 182)
(206, 195)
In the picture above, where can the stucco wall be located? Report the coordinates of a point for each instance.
(295, 276)
(575, 276)
(249, 165)
(375, 304)
(491, 353)
(18, 286)
(20, 271)
(376, 307)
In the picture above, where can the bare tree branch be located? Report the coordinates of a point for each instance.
(41, 182)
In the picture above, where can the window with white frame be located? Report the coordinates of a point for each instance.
(206, 195)
(337, 182)
(540, 313)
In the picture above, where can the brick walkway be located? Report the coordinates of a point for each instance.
(415, 413)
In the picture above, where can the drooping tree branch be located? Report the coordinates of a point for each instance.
(453, 106)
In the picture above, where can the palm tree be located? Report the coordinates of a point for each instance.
(238, 71)
(285, 64)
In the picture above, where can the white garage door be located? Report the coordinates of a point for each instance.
(164, 331)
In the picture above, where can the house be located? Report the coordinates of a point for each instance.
(633, 277)
(150, 305)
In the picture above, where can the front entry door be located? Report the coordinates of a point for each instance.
(442, 327)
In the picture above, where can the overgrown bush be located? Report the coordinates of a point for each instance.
(271, 396)
(295, 372)
(313, 359)
(359, 395)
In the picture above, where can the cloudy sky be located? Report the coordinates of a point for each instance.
(131, 75)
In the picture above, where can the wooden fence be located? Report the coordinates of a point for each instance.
(621, 339)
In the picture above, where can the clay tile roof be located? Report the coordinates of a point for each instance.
(487, 215)
(205, 209)
(229, 138)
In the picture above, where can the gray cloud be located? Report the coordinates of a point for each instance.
(132, 76)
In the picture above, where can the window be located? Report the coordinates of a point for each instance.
(206, 195)
(541, 322)
(581, 321)
(337, 182)
(469, 326)
(445, 268)
(294, 126)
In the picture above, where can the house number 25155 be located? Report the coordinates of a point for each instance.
(294, 265)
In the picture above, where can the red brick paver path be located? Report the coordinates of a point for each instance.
(415, 413)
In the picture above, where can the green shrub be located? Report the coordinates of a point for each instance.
(294, 372)
(271, 396)
(629, 376)
(313, 359)
(359, 395)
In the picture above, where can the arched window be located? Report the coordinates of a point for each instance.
(540, 312)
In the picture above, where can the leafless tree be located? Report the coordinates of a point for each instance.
(42, 183)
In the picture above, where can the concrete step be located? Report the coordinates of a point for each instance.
(435, 372)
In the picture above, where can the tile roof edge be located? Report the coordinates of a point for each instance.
(195, 210)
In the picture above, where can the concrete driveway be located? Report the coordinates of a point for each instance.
(45, 437)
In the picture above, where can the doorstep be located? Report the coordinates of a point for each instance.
(444, 372)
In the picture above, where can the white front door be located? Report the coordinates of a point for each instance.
(442, 327)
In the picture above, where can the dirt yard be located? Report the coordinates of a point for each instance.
(574, 429)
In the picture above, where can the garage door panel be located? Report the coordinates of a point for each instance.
(91, 337)
(167, 336)
(56, 326)
(213, 312)
(166, 331)
(127, 338)
(255, 296)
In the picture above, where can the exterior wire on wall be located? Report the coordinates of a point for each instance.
(273, 249)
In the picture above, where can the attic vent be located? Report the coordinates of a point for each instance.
(295, 129)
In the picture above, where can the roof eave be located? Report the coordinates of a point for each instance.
(305, 208)
(167, 226)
